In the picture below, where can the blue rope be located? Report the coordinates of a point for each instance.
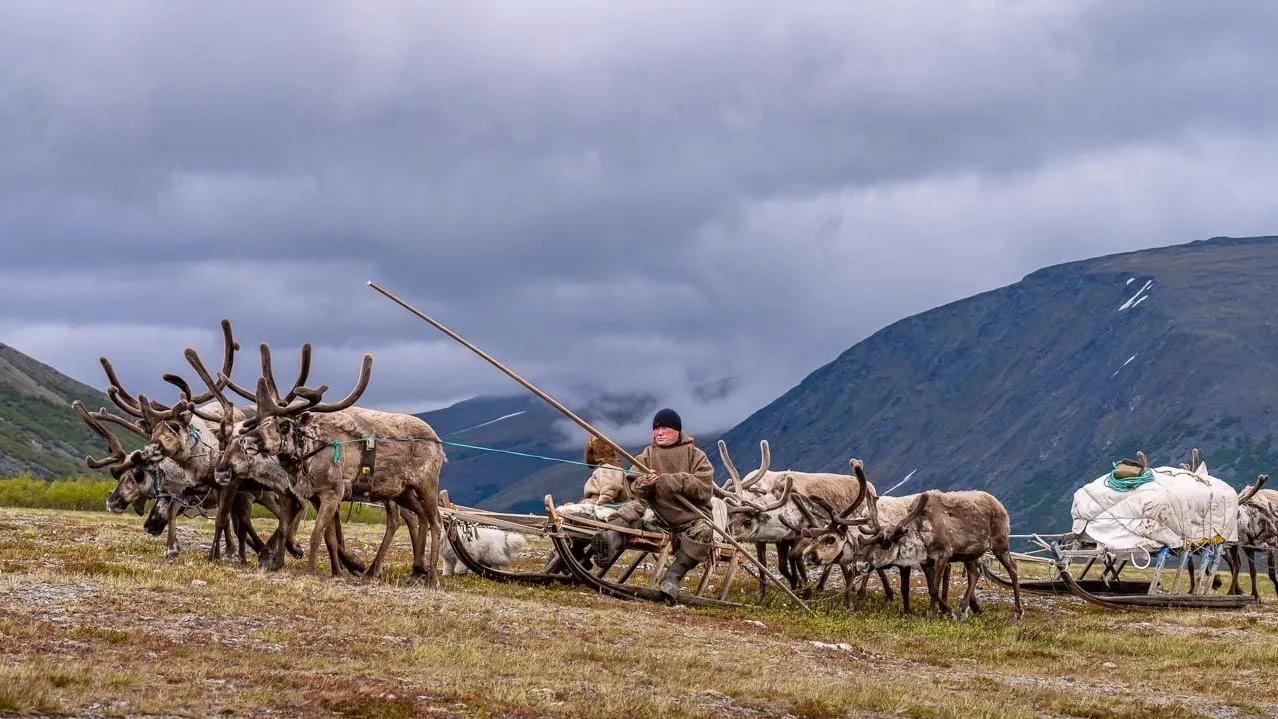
(1127, 484)
(337, 450)
(517, 454)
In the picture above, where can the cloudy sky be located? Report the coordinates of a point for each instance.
(630, 195)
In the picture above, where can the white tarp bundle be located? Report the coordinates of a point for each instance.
(1176, 508)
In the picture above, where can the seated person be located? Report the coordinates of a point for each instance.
(607, 484)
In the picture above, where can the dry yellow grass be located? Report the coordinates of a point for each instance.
(94, 623)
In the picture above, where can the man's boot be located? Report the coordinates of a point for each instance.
(608, 546)
(675, 573)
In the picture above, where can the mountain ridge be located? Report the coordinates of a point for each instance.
(999, 388)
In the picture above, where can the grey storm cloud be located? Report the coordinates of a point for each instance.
(630, 196)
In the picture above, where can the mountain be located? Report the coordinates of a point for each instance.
(1031, 390)
(39, 432)
(527, 425)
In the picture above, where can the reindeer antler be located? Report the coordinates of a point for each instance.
(102, 415)
(229, 347)
(116, 391)
(113, 443)
(786, 486)
(862, 487)
(1251, 490)
(915, 513)
(361, 384)
(765, 461)
(733, 475)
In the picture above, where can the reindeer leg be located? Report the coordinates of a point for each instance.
(940, 568)
(241, 535)
(1273, 571)
(932, 594)
(976, 606)
(904, 571)
(801, 571)
(290, 529)
(1234, 561)
(862, 583)
(968, 595)
(416, 530)
(1251, 572)
(783, 563)
(887, 585)
(328, 506)
(1005, 558)
(225, 497)
(847, 589)
(171, 547)
(392, 525)
(433, 526)
(945, 584)
(245, 532)
(825, 574)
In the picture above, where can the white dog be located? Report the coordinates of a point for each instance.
(491, 547)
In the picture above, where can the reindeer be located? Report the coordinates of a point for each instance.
(189, 435)
(231, 489)
(300, 442)
(137, 481)
(763, 515)
(939, 528)
(1257, 531)
(830, 543)
(184, 434)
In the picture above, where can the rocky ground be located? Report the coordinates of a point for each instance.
(93, 623)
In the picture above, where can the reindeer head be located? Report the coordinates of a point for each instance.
(757, 503)
(280, 428)
(900, 543)
(828, 540)
(131, 473)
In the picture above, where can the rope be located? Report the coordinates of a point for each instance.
(1127, 484)
(337, 449)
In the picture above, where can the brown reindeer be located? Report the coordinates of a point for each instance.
(185, 433)
(1257, 532)
(331, 451)
(233, 488)
(937, 529)
(760, 511)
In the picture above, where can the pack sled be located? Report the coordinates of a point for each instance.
(1154, 520)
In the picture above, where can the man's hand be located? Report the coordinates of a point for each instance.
(645, 481)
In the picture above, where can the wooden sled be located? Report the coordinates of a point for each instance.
(1111, 591)
(643, 544)
(566, 566)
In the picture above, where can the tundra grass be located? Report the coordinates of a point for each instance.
(93, 621)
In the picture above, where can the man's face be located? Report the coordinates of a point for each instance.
(665, 436)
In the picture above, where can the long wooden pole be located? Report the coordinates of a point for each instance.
(586, 426)
(527, 385)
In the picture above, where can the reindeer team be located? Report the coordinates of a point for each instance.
(204, 454)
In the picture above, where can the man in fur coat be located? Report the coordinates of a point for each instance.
(679, 469)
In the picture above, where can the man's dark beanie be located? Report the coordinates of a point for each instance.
(667, 418)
